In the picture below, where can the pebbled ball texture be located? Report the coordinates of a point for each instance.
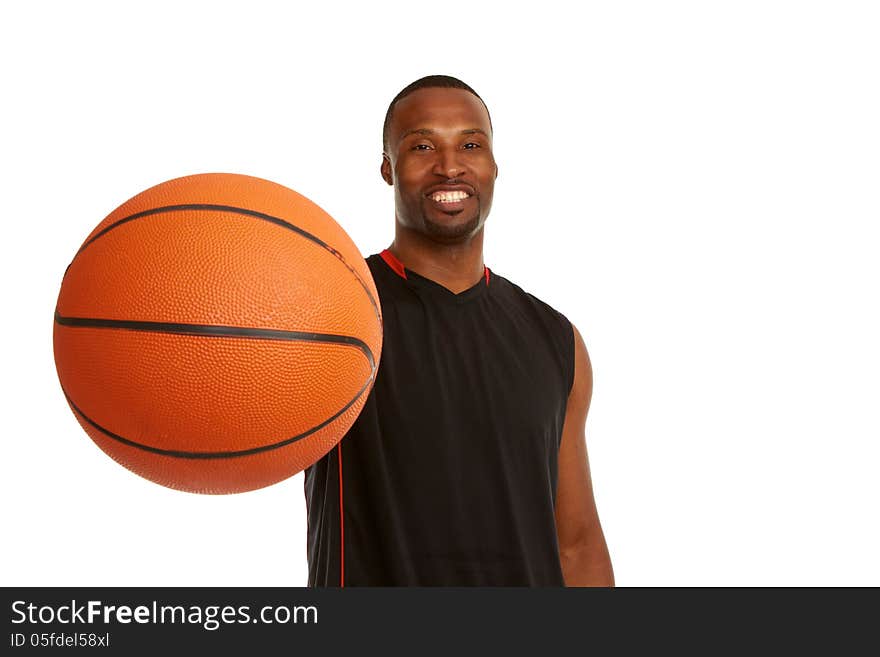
(217, 333)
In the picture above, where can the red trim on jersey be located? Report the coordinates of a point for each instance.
(308, 524)
(393, 262)
(341, 522)
(400, 270)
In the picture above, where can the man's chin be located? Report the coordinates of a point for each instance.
(452, 232)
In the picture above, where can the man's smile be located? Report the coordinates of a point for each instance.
(450, 198)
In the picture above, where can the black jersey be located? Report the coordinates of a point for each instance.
(448, 475)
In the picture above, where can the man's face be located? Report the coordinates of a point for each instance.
(439, 159)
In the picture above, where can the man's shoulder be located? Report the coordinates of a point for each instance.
(380, 269)
(540, 320)
(508, 288)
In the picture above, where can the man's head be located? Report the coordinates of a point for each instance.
(437, 140)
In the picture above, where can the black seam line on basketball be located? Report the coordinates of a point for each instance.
(212, 331)
(221, 455)
(243, 211)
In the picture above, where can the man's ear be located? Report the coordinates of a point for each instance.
(385, 170)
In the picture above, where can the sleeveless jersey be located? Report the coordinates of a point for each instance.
(448, 475)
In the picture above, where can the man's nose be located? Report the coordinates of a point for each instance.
(447, 163)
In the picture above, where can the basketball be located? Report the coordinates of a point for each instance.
(217, 333)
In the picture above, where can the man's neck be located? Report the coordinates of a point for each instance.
(457, 267)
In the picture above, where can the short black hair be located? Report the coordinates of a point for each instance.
(427, 82)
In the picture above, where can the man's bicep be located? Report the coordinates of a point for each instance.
(575, 507)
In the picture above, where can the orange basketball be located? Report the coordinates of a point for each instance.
(217, 333)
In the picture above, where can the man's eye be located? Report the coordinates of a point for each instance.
(421, 147)
(471, 145)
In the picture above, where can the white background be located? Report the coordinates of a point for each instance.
(694, 184)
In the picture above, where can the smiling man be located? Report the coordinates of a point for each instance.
(467, 465)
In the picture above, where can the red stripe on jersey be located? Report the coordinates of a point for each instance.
(393, 262)
(341, 523)
(400, 270)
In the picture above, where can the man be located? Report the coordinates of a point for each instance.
(467, 464)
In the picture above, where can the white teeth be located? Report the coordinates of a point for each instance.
(449, 197)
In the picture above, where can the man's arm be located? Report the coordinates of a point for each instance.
(582, 548)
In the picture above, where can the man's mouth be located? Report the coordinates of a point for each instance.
(450, 197)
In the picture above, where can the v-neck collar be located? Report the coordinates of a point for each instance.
(417, 280)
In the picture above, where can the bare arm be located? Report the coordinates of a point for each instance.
(582, 547)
